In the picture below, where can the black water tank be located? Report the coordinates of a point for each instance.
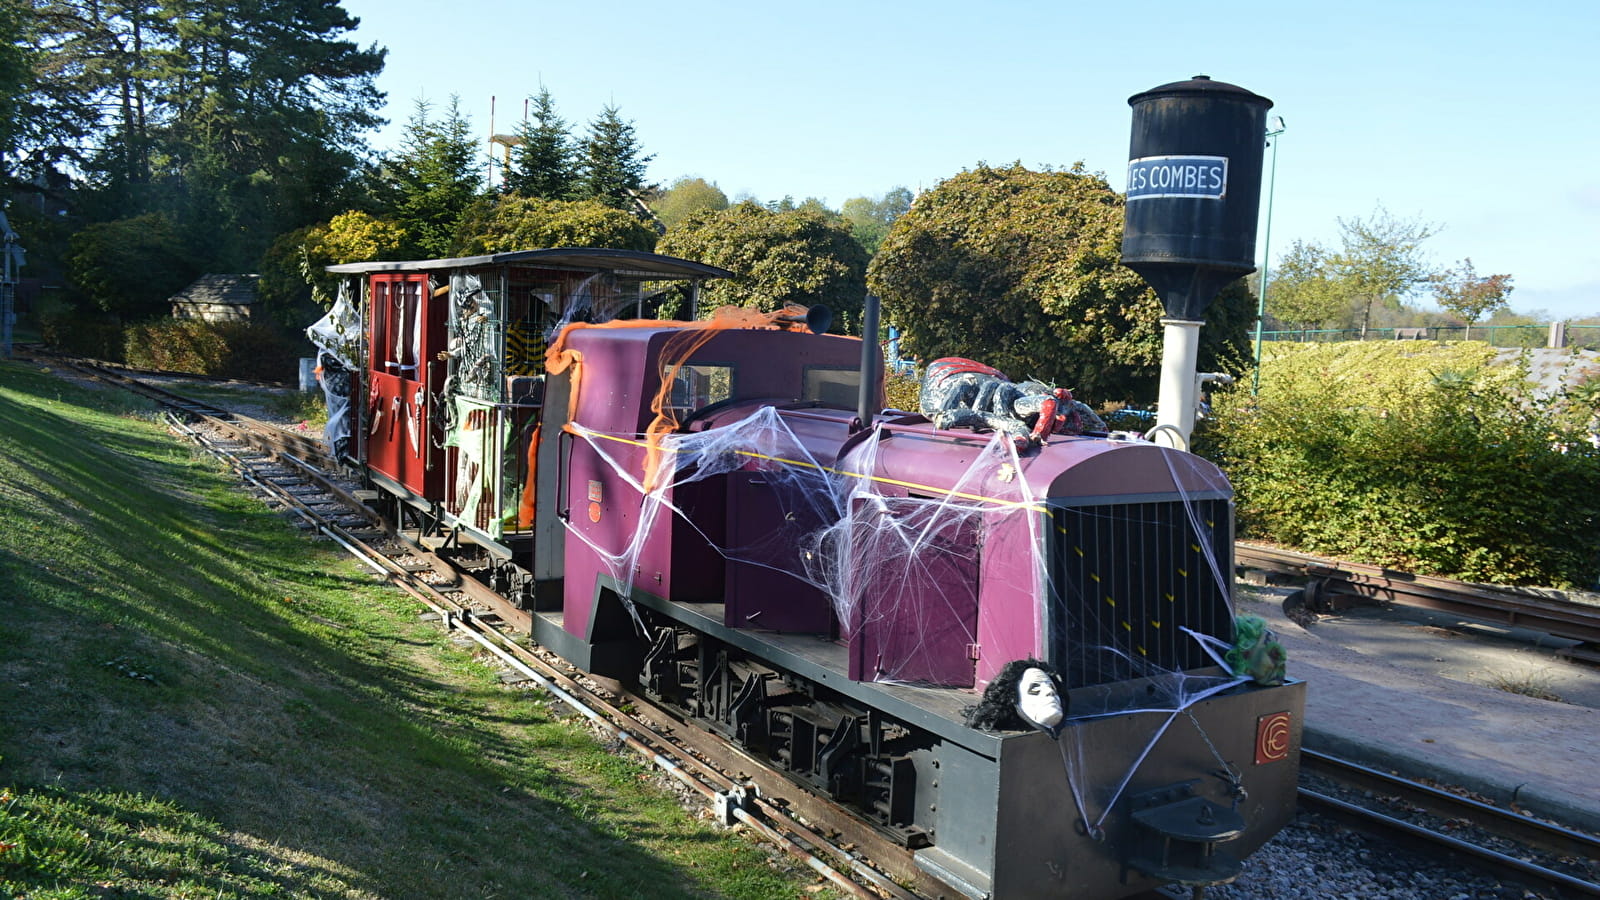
(1194, 189)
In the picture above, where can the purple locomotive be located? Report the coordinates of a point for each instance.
(1009, 644)
(701, 510)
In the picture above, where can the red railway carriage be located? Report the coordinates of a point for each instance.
(448, 388)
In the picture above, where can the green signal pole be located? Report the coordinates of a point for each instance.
(1266, 250)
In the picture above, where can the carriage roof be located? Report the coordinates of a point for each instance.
(622, 262)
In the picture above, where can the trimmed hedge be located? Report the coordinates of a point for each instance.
(1418, 457)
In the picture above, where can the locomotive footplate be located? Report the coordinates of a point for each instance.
(1178, 837)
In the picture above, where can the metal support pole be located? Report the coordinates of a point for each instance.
(11, 259)
(1180, 356)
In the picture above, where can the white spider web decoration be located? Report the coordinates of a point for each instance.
(899, 568)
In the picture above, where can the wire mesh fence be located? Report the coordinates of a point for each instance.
(1579, 337)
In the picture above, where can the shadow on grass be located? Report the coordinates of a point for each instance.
(167, 638)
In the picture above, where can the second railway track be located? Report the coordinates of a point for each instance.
(1331, 584)
(1551, 859)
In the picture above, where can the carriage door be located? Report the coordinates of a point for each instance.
(407, 330)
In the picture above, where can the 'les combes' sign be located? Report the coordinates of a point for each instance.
(1193, 177)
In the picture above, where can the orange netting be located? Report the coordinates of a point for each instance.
(679, 348)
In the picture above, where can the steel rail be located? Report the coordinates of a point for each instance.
(1527, 830)
(278, 439)
(1501, 864)
(304, 453)
(1500, 822)
(39, 349)
(731, 797)
(1522, 828)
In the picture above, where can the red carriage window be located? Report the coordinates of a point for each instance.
(397, 325)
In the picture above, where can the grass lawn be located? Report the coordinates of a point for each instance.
(197, 701)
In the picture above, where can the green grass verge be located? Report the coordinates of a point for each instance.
(197, 701)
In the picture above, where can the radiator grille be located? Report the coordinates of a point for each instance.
(1127, 578)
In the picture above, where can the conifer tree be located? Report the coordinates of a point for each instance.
(542, 163)
(611, 167)
(237, 119)
(433, 181)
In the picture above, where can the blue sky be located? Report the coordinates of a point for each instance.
(1479, 117)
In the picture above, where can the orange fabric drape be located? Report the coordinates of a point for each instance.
(530, 488)
(679, 348)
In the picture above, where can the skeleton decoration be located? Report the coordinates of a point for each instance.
(962, 393)
(1024, 693)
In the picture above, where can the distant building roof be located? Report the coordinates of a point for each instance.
(216, 298)
(239, 290)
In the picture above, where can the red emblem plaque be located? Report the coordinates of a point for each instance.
(1272, 737)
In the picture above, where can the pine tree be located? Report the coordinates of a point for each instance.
(611, 169)
(238, 119)
(542, 164)
(434, 180)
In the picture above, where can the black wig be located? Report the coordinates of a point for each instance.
(997, 710)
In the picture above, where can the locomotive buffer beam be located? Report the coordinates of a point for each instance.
(1178, 836)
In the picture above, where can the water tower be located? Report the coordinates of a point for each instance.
(1194, 191)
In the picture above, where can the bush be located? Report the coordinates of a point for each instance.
(242, 350)
(1019, 269)
(82, 334)
(1419, 457)
(131, 267)
(528, 223)
(904, 392)
(779, 258)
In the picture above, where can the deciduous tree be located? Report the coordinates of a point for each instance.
(1378, 264)
(870, 219)
(686, 197)
(1462, 291)
(1020, 269)
(1300, 292)
(292, 270)
(778, 258)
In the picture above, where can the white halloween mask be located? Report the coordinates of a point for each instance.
(1038, 701)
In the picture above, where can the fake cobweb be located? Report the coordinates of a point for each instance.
(337, 337)
(1135, 614)
(498, 334)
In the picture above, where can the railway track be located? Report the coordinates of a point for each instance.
(849, 854)
(1547, 858)
(1335, 584)
(852, 856)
